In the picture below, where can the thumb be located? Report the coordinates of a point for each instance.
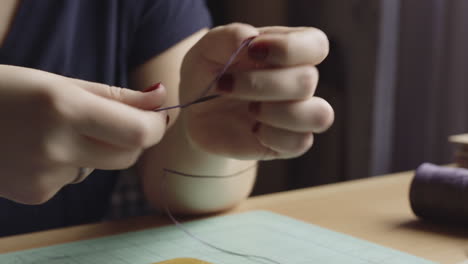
(220, 43)
(153, 98)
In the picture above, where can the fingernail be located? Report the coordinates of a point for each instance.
(152, 87)
(258, 51)
(168, 118)
(254, 108)
(256, 127)
(226, 83)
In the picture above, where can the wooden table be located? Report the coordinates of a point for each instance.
(375, 209)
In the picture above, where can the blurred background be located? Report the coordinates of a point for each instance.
(397, 77)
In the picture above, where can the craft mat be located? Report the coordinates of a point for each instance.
(261, 233)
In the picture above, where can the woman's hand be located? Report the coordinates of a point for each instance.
(267, 109)
(52, 125)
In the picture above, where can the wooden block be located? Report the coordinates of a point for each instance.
(183, 261)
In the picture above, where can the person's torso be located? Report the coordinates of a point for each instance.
(95, 40)
(83, 39)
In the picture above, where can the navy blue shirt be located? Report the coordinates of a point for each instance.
(95, 40)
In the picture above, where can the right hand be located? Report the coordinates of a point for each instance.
(51, 125)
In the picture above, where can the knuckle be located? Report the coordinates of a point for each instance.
(49, 152)
(115, 92)
(112, 93)
(239, 32)
(43, 97)
(45, 104)
(52, 152)
(308, 80)
(237, 28)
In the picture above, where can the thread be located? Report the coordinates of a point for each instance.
(178, 224)
(203, 97)
(440, 194)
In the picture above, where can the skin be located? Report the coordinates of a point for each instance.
(97, 126)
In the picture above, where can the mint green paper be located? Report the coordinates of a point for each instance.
(261, 233)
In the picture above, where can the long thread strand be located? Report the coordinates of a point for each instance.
(195, 237)
(203, 98)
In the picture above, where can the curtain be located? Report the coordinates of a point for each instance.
(421, 95)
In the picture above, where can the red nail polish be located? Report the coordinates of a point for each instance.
(152, 87)
(254, 108)
(256, 127)
(258, 51)
(168, 118)
(226, 83)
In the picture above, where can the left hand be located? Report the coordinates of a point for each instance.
(268, 109)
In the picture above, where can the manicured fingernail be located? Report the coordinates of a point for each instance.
(152, 87)
(226, 83)
(168, 118)
(254, 108)
(256, 127)
(258, 51)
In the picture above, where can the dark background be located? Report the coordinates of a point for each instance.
(396, 76)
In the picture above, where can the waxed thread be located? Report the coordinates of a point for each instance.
(179, 225)
(203, 98)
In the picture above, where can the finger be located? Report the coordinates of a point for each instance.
(151, 98)
(312, 115)
(116, 123)
(281, 29)
(286, 144)
(289, 48)
(221, 42)
(220, 49)
(294, 83)
(91, 153)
